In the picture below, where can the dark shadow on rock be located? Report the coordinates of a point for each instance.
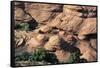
(32, 24)
(50, 57)
(70, 48)
(86, 13)
(20, 5)
(83, 60)
(91, 36)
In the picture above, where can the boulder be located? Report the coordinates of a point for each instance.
(45, 28)
(53, 43)
(54, 40)
(62, 33)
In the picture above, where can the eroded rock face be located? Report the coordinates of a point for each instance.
(35, 42)
(60, 16)
(28, 41)
(87, 51)
(21, 16)
(43, 12)
(75, 25)
(21, 38)
(88, 27)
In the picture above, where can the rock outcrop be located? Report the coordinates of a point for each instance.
(53, 42)
(58, 28)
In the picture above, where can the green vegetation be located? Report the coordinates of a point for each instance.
(75, 57)
(22, 26)
(40, 54)
(24, 56)
(51, 58)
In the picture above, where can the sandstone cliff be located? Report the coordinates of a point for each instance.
(61, 29)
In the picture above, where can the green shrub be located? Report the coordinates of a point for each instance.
(75, 57)
(51, 58)
(24, 56)
(22, 26)
(39, 54)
